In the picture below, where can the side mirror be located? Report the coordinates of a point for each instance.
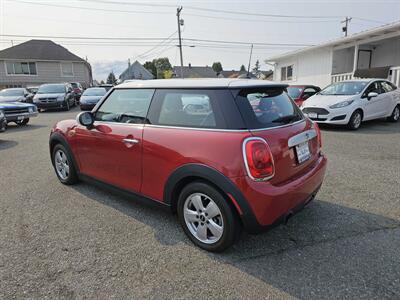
(372, 95)
(85, 119)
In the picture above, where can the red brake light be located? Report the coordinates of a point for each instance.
(258, 159)
(318, 134)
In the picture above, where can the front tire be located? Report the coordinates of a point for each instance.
(66, 106)
(395, 116)
(206, 217)
(355, 120)
(63, 165)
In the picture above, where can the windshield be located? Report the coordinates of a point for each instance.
(267, 107)
(51, 89)
(95, 92)
(344, 88)
(12, 92)
(294, 92)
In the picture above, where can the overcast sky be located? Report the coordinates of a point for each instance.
(100, 19)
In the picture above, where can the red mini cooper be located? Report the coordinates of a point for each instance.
(221, 153)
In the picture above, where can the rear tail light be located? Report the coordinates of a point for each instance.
(258, 159)
(316, 127)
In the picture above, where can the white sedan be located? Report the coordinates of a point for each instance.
(353, 101)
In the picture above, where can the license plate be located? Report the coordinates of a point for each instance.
(20, 118)
(303, 152)
(313, 115)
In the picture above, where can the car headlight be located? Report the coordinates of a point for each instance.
(1, 114)
(30, 109)
(60, 98)
(342, 104)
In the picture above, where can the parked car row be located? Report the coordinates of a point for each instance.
(349, 102)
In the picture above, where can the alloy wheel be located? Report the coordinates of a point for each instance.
(203, 218)
(357, 120)
(396, 113)
(62, 164)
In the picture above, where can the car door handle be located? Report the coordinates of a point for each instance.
(130, 141)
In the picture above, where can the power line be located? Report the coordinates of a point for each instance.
(89, 8)
(153, 39)
(158, 45)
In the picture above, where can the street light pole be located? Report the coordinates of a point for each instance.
(180, 22)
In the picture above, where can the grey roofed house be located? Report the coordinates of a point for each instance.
(194, 72)
(235, 74)
(41, 61)
(135, 71)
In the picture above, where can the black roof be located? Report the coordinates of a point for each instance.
(39, 50)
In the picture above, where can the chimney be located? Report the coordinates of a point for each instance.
(129, 62)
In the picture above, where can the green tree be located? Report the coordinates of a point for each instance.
(242, 68)
(102, 82)
(217, 67)
(256, 69)
(111, 78)
(149, 65)
(162, 64)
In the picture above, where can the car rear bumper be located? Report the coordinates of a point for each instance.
(271, 205)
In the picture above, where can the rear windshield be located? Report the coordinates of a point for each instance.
(12, 92)
(267, 107)
(294, 91)
(95, 92)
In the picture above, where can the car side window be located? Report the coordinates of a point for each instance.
(373, 87)
(386, 86)
(125, 106)
(186, 108)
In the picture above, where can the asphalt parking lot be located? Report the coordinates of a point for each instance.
(83, 242)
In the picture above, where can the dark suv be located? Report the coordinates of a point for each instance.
(55, 95)
(224, 154)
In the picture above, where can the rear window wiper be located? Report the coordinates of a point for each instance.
(286, 119)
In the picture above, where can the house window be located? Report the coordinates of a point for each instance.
(66, 69)
(287, 73)
(21, 68)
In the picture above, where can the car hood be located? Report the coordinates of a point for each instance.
(15, 105)
(54, 95)
(11, 98)
(90, 98)
(326, 100)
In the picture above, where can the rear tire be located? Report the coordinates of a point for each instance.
(355, 120)
(395, 116)
(206, 217)
(63, 165)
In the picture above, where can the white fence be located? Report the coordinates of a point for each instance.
(394, 76)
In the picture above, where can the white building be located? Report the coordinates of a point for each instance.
(371, 53)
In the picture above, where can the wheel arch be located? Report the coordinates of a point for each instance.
(58, 138)
(188, 173)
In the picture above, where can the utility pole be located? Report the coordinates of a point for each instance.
(180, 23)
(248, 69)
(346, 27)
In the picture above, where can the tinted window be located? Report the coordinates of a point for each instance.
(294, 92)
(125, 106)
(386, 87)
(264, 108)
(373, 87)
(187, 108)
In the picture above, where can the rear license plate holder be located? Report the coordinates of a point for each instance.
(303, 152)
